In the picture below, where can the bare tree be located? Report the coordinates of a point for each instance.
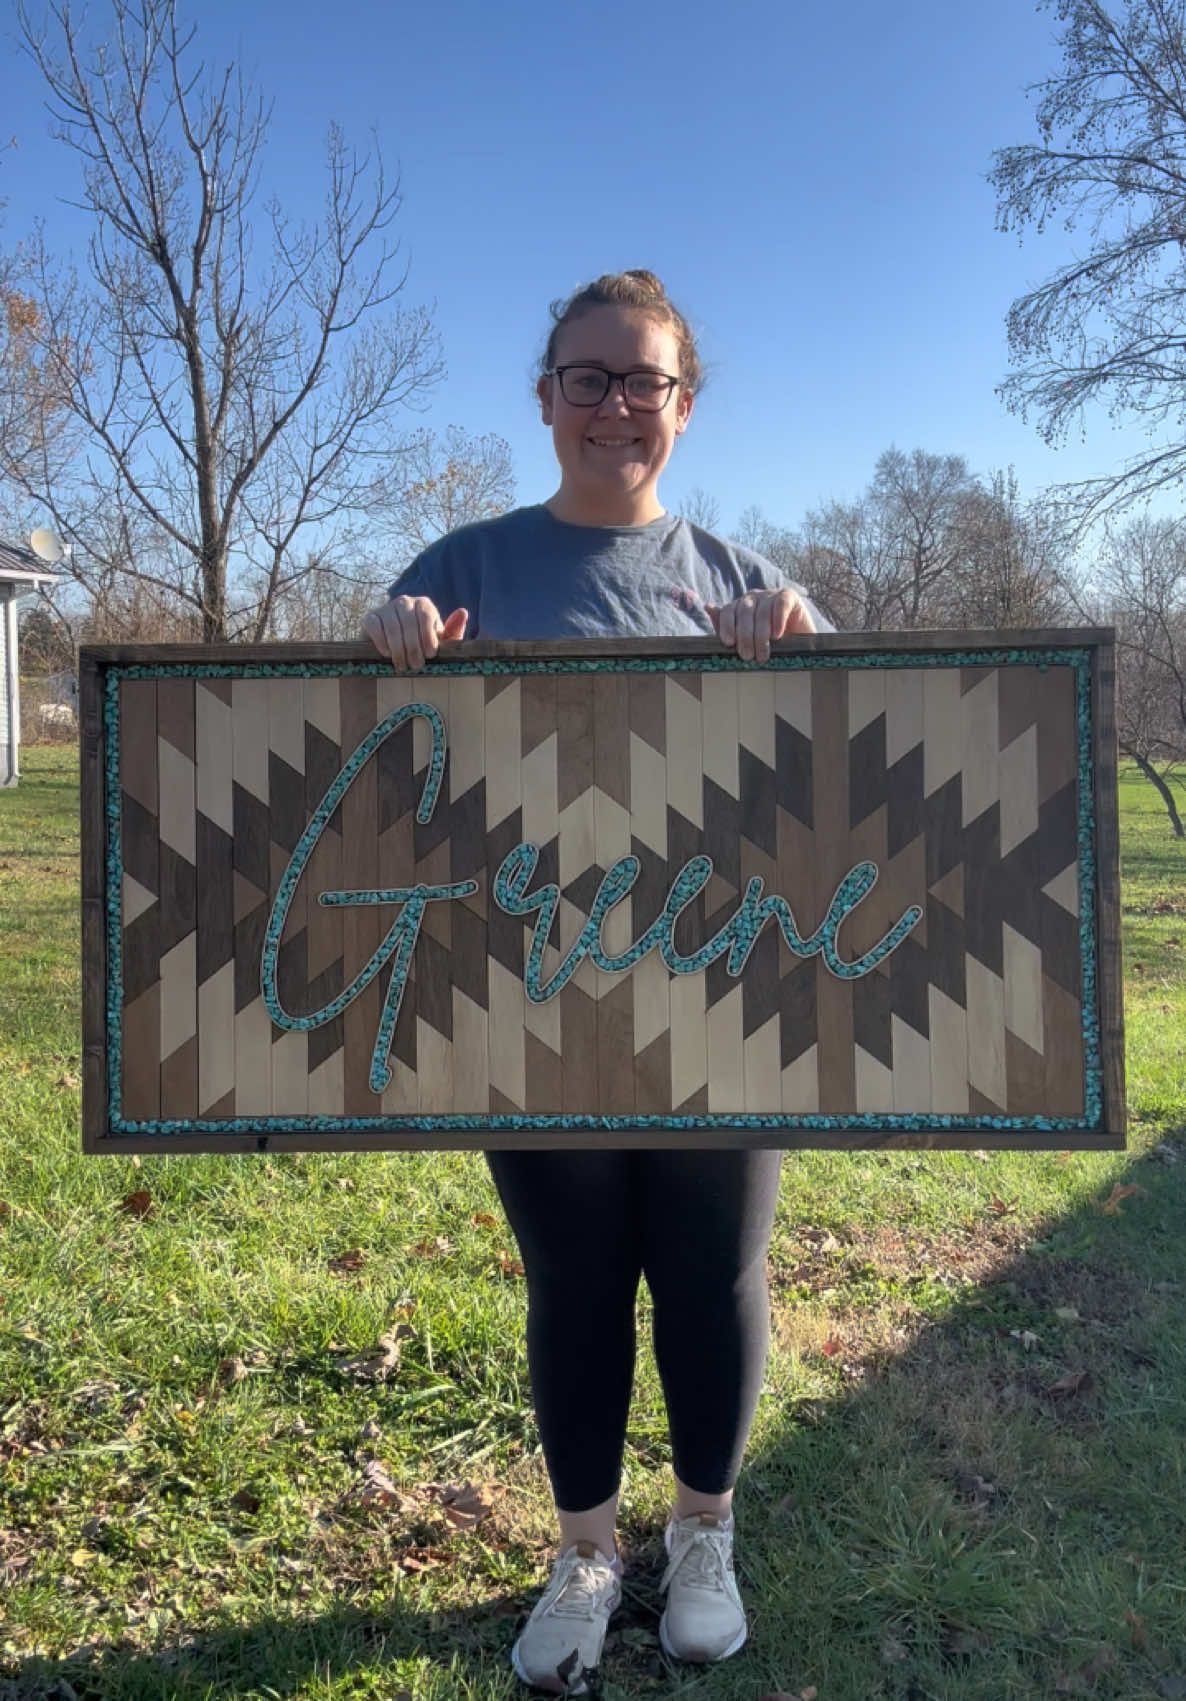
(221, 409)
(1013, 560)
(926, 544)
(701, 509)
(886, 558)
(1106, 327)
(439, 482)
(1140, 582)
(433, 484)
(920, 501)
(31, 412)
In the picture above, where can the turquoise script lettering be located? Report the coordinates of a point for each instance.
(738, 936)
(511, 893)
(399, 942)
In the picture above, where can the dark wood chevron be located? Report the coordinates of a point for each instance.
(988, 987)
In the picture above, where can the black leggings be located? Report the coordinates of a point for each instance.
(696, 1224)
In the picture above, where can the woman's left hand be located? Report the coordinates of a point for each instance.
(749, 624)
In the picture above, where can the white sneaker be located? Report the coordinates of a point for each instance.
(562, 1640)
(704, 1618)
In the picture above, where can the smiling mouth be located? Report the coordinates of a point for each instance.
(614, 442)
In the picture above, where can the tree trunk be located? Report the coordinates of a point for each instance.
(1163, 791)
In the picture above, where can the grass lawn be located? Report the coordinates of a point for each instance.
(965, 1483)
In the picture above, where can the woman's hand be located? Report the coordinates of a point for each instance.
(754, 620)
(410, 630)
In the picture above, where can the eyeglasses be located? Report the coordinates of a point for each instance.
(588, 386)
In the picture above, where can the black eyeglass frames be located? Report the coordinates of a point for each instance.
(588, 386)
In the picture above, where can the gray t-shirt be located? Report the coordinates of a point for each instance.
(528, 575)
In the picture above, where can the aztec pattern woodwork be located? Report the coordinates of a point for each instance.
(845, 898)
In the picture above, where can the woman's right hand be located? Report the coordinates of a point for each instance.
(410, 630)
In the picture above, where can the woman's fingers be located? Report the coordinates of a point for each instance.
(792, 615)
(375, 628)
(409, 630)
(754, 620)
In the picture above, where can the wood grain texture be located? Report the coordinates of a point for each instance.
(953, 782)
(1108, 934)
(836, 1062)
(362, 926)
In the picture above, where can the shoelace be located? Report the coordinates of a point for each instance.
(699, 1557)
(580, 1590)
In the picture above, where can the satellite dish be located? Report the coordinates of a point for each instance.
(46, 546)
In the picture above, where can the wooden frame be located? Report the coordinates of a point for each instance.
(863, 895)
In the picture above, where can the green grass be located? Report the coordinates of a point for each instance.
(965, 1482)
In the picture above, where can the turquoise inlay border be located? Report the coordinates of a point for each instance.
(115, 852)
(1077, 658)
(869, 1122)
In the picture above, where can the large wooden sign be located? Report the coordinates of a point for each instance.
(635, 893)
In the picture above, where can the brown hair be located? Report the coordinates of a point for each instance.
(638, 289)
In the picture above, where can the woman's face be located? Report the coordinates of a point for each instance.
(611, 455)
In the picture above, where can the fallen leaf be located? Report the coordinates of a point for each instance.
(1136, 1625)
(405, 1306)
(830, 1348)
(508, 1265)
(1002, 1207)
(1066, 1314)
(1027, 1338)
(465, 1504)
(483, 1219)
(138, 1204)
(822, 1239)
(230, 1371)
(376, 1488)
(1074, 1382)
(436, 1247)
(244, 1501)
(345, 1184)
(1126, 1190)
(379, 1361)
(422, 1558)
(68, 1080)
(347, 1262)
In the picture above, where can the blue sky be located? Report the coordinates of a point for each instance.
(809, 182)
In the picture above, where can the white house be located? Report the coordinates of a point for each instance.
(21, 572)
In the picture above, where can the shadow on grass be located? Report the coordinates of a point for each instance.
(989, 1503)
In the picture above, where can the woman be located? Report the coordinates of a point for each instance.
(601, 558)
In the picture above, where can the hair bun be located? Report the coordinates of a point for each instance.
(649, 282)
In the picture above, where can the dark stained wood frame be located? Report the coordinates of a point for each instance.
(95, 660)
